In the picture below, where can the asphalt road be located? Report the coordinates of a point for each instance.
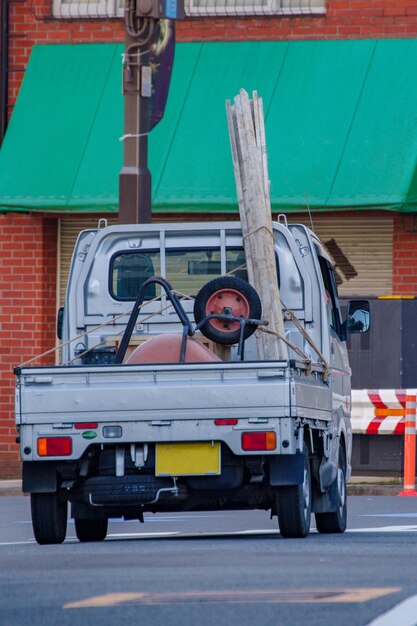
(214, 569)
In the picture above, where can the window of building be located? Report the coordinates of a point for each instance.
(193, 8)
(254, 7)
(87, 8)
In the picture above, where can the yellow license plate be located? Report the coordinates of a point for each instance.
(188, 459)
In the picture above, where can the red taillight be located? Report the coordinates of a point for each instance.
(259, 441)
(86, 425)
(54, 446)
(229, 422)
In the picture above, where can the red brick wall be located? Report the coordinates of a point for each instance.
(27, 316)
(31, 23)
(404, 261)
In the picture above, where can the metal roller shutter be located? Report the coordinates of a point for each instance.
(361, 248)
(359, 244)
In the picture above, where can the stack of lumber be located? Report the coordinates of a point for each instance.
(247, 138)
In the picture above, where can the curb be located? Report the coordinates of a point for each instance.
(373, 490)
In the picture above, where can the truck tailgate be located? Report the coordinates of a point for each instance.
(151, 392)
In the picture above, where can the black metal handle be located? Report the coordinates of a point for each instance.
(187, 331)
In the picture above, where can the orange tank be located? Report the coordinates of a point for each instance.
(167, 349)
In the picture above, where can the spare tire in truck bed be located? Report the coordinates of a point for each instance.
(227, 294)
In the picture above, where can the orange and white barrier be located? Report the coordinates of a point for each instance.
(378, 411)
(389, 412)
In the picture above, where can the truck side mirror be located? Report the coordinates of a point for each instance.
(59, 322)
(358, 318)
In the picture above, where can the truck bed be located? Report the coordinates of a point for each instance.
(164, 402)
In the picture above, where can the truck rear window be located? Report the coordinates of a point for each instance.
(187, 270)
(130, 270)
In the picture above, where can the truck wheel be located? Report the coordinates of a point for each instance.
(230, 293)
(294, 505)
(336, 522)
(49, 518)
(91, 529)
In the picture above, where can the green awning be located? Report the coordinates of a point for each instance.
(341, 125)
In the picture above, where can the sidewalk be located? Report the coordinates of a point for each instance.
(11, 488)
(357, 486)
(374, 486)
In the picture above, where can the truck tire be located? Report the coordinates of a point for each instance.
(49, 518)
(294, 505)
(336, 522)
(91, 529)
(233, 293)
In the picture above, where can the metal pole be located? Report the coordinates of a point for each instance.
(148, 58)
(135, 177)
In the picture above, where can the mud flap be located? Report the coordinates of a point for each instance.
(286, 469)
(328, 501)
(39, 477)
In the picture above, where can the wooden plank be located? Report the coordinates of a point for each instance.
(252, 210)
(261, 232)
(249, 154)
(239, 173)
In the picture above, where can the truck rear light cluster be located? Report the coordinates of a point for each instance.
(54, 446)
(259, 441)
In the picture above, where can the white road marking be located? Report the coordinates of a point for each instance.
(172, 518)
(240, 533)
(191, 535)
(385, 529)
(218, 533)
(17, 543)
(150, 519)
(389, 515)
(404, 613)
(142, 535)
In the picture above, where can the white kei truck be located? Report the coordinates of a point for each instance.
(161, 402)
